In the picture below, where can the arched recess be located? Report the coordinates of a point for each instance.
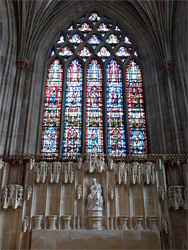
(134, 27)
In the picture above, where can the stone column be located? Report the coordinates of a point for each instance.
(111, 222)
(78, 221)
(52, 221)
(22, 66)
(38, 221)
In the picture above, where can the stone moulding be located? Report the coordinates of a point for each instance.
(177, 197)
(138, 222)
(12, 196)
(38, 221)
(123, 222)
(52, 219)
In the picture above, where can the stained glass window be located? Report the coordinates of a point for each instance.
(52, 110)
(103, 27)
(136, 114)
(94, 40)
(85, 27)
(94, 114)
(115, 117)
(73, 110)
(103, 52)
(65, 51)
(97, 49)
(122, 51)
(112, 39)
(94, 17)
(75, 39)
(84, 52)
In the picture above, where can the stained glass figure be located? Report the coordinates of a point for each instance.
(103, 27)
(112, 39)
(136, 113)
(52, 110)
(127, 40)
(94, 116)
(84, 52)
(115, 117)
(65, 51)
(85, 27)
(94, 40)
(122, 51)
(94, 17)
(75, 39)
(103, 52)
(73, 111)
(61, 40)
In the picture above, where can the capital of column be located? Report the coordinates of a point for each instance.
(167, 64)
(22, 63)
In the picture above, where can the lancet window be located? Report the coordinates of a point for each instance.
(94, 95)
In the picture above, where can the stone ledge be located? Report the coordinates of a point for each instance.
(94, 239)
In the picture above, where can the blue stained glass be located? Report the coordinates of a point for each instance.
(73, 110)
(94, 117)
(115, 117)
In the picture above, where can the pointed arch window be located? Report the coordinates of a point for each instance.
(99, 107)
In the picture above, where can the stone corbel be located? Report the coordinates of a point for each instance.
(79, 192)
(136, 173)
(111, 164)
(29, 192)
(12, 196)
(26, 223)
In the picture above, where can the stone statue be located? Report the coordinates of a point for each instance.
(95, 199)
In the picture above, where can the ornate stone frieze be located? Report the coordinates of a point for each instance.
(41, 171)
(95, 162)
(12, 196)
(138, 222)
(54, 172)
(111, 164)
(1, 163)
(122, 173)
(79, 192)
(31, 164)
(123, 222)
(29, 192)
(68, 172)
(149, 173)
(152, 222)
(136, 173)
(26, 223)
(177, 196)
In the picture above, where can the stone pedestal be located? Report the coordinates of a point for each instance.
(138, 222)
(152, 222)
(38, 221)
(95, 219)
(123, 222)
(66, 221)
(95, 222)
(52, 222)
